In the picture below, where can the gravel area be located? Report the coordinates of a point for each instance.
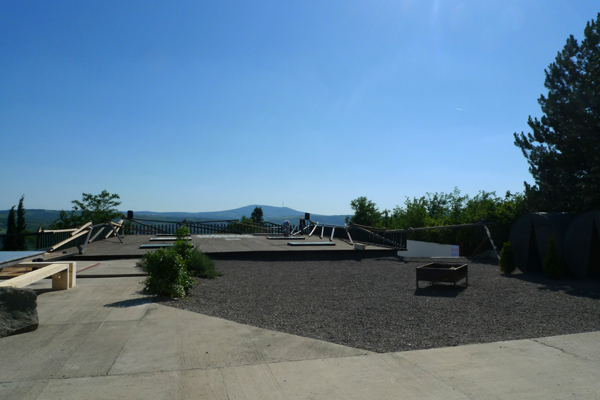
(373, 304)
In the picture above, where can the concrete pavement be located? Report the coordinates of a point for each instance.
(104, 339)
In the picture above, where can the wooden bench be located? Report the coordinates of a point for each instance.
(63, 275)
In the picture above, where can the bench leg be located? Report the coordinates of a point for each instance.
(72, 274)
(60, 280)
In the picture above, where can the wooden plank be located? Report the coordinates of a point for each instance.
(349, 237)
(56, 246)
(87, 240)
(113, 230)
(71, 264)
(168, 239)
(85, 226)
(61, 281)
(58, 230)
(311, 244)
(96, 235)
(313, 230)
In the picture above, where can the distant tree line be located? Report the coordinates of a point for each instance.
(442, 209)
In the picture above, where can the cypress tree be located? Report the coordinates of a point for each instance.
(21, 226)
(11, 228)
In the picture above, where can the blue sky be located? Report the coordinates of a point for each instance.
(207, 106)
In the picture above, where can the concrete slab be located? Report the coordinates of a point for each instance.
(81, 331)
(22, 390)
(251, 382)
(524, 369)
(93, 300)
(584, 345)
(380, 376)
(147, 386)
(169, 339)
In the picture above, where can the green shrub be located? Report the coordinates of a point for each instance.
(552, 266)
(507, 259)
(200, 265)
(182, 232)
(182, 246)
(167, 273)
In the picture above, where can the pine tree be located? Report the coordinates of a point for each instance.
(563, 151)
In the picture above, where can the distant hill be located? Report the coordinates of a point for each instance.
(39, 217)
(34, 218)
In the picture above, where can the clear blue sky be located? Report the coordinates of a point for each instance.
(214, 105)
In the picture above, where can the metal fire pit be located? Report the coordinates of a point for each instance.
(437, 272)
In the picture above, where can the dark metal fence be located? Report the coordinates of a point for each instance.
(150, 227)
(375, 236)
(39, 240)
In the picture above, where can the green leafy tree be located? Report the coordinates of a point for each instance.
(66, 220)
(96, 208)
(257, 216)
(21, 226)
(365, 212)
(563, 149)
(441, 209)
(9, 243)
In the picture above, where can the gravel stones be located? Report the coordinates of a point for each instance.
(372, 304)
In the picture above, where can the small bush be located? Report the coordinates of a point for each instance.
(200, 265)
(167, 273)
(182, 246)
(552, 266)
(182, 232)
(507, 259)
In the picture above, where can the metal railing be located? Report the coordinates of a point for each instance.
(136, 226)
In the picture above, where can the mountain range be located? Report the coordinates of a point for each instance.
(270, 213)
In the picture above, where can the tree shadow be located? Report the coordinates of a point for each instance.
(131, 302)
(42, 291)
(589, 288)
(440, 290)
